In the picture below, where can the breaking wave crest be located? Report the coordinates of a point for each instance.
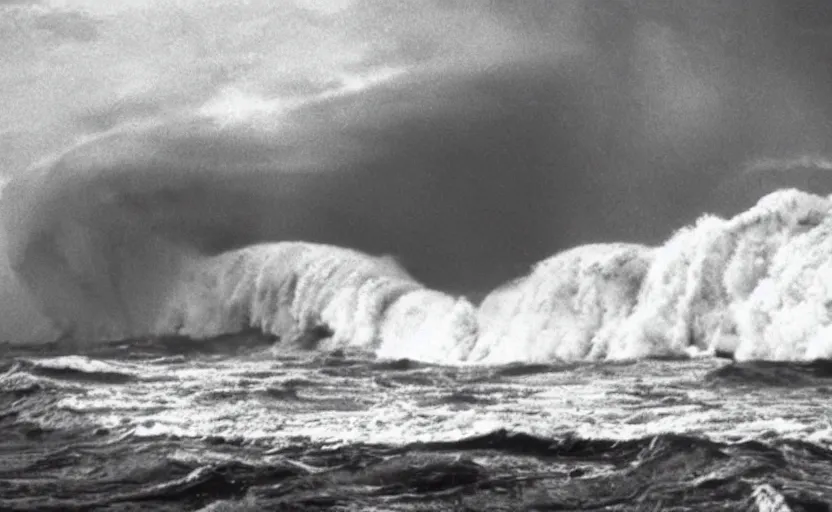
(322, 296)
(110, 249)
(99, 248)
(570, 307)
(752, 286)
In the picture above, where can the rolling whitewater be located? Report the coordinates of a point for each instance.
(356, 255)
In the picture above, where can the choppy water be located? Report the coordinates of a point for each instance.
(649, 180)
(170, 425)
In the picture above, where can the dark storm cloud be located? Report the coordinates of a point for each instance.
(512, 130)
(488, 169)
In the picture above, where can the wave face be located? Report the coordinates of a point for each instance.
(320, 295)
(569, 307)
(752, 286)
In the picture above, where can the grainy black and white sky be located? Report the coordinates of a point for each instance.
(468, 138)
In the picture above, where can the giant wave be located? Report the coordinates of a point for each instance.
(94, 252)
(752, 286)
(104, 243)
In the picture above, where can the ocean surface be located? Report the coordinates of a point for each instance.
(168, 424)
(371, 255)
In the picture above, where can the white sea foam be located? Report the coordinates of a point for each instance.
(754, 283)
(701, 275)
(569, 307)
(787, 317)
(330, 296)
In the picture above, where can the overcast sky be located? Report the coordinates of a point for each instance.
(470, 138)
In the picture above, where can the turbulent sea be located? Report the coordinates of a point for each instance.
(145, 372)
(167, 424)
(442, 256)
